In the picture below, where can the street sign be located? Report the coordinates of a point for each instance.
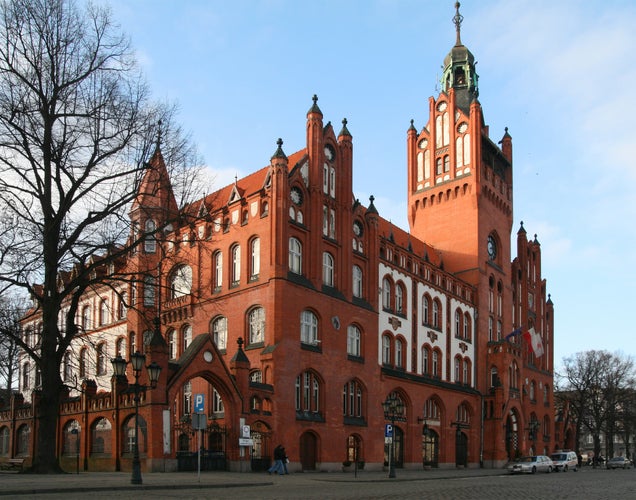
(199, 421)
(388, 431)
(199, 403)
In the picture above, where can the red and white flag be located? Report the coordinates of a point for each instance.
(534, 339)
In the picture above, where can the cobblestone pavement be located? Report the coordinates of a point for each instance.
(438, 484)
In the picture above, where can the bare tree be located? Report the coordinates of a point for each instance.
(595, 384)
(76, 126)
(10, 314)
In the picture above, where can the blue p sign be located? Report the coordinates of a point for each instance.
(199, 403)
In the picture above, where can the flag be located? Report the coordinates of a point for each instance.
(514, 333)
(536, 342)
(534, 339)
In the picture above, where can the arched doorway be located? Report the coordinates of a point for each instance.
(308, 451)
(398, 448)
(430, 448)
(461, 449)
(262, 449)
(512, 435)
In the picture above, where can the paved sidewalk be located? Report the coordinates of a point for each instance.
(13, 483)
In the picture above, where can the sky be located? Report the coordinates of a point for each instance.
(561, 75)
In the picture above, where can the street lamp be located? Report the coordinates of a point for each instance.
(393, 410)
(137, 360)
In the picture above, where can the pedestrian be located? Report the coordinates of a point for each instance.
(285, 461)
(279, 455)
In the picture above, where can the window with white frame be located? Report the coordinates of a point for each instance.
(149, 291)
(353, 340)
(150, 243)
(357, 281)
(219, 332)
(295, 256)
(236, 264)
(180, 280)
(399, 362)
(172, 344)
(218, 269)
(386, 294)
(386, 350)
(327, 269)
(399, 299)
(255, 258)
(187, 336)
(308, 328)
(256, 319)
(352, 399)
(308, 392)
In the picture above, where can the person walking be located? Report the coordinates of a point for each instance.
(279, 455)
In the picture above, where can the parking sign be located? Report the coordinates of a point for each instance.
(199, 403)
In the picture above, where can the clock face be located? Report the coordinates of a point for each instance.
(357, 228)
(492, 248)
(296, 196)
(329, 153)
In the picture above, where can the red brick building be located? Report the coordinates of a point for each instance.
(287, 305)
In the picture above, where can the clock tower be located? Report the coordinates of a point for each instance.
(460, 193)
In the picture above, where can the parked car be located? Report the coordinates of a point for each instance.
(618, 463)
(564, 460)
(536, 463)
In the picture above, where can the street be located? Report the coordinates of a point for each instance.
(587, 483)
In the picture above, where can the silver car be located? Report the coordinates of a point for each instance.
(530, 465)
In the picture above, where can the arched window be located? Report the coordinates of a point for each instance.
(353, 340)
(327, 269)
(4, 441)
(458, 324)
(235, 253)
(357, 281)
(386, 350)
(24, 441)
(256, 319)
(435, 364)
(457, 370)
(149, 291)
(436, 314)
(399, 353)
(83, 363)
(67, 367)
(219, 332)
(426, 309)
(217, 260)
(462, 414)
(533, 396)
(128, 446)
(100, 358)
(426, 355)
(467, 329)
(101, 437)
(172, 343)
(386, 294)
(26, 375)
(180, 281)
(308, 393)
(187, 336)
(295, 256)
(431, 410)
(352, 395)
(399, 299)
(122, 310)
(71, 438)
(120, 347)
(466, 371)
(255, 258)
(104, 317)
(86, 318)
(308, 328)
(494, 377)
(132, 344)
(150, 243)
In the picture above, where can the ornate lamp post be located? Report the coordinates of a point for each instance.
(393, 410)
(137, 360)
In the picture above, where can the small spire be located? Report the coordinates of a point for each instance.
(159, 123)
(314, 108)
(279, 151)
(372, 208)
(457, 19)
(344, 130)
(412, 127)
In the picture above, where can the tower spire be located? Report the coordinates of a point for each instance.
(457, 19)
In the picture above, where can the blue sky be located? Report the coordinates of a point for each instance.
(560, 75)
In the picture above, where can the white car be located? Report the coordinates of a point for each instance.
(564, 460)
(532, 464)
